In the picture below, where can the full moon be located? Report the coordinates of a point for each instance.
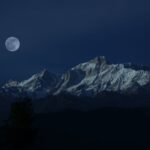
(12, 44)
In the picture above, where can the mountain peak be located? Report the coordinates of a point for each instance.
(99, 60)
(44, 73)
(39, 78)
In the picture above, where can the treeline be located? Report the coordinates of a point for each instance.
(80, 128)
(18, 131)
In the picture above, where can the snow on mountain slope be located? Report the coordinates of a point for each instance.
(89, 78)
(98, 75)
(38, 85)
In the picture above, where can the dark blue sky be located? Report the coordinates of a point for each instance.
(60, 34)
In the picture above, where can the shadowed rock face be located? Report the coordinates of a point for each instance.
(89, 78)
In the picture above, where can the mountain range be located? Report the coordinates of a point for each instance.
(86, 79)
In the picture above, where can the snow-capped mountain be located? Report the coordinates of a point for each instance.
(98, 75)
(37, 86)
(89, 78)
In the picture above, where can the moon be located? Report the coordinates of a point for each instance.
(12, 44)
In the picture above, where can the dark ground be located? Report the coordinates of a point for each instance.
(104, 128)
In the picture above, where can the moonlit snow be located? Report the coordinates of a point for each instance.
(89, 78)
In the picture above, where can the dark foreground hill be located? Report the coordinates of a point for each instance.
(99, 129)
(108, 120)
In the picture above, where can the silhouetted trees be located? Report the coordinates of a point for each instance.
(19, 131)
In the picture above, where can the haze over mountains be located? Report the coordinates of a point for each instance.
(86, 79)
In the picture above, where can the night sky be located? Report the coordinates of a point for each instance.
(60, 34)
